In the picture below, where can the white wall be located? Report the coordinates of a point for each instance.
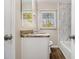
(26, 5)
(17, 29)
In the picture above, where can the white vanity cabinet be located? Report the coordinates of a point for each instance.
(35, 47)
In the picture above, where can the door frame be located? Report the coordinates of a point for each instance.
(13, 29)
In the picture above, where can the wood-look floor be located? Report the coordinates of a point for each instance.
(56, 54)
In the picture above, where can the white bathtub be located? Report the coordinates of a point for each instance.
(66, 49)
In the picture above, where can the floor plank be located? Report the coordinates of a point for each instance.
(56, 54)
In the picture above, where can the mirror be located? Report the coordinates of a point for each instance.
(47, 14)
(26, 5)
(41, 14)
(27, 14)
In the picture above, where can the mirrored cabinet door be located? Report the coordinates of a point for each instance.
(47, 14)
(27, 21)
(39, 14)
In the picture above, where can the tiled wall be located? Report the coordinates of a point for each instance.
(65, 21)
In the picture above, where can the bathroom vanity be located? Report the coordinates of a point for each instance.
(35, 46)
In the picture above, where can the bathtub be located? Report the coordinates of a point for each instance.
(65, 47)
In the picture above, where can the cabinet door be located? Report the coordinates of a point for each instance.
(35, 48)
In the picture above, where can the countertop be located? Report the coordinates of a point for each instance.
(36, 35)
